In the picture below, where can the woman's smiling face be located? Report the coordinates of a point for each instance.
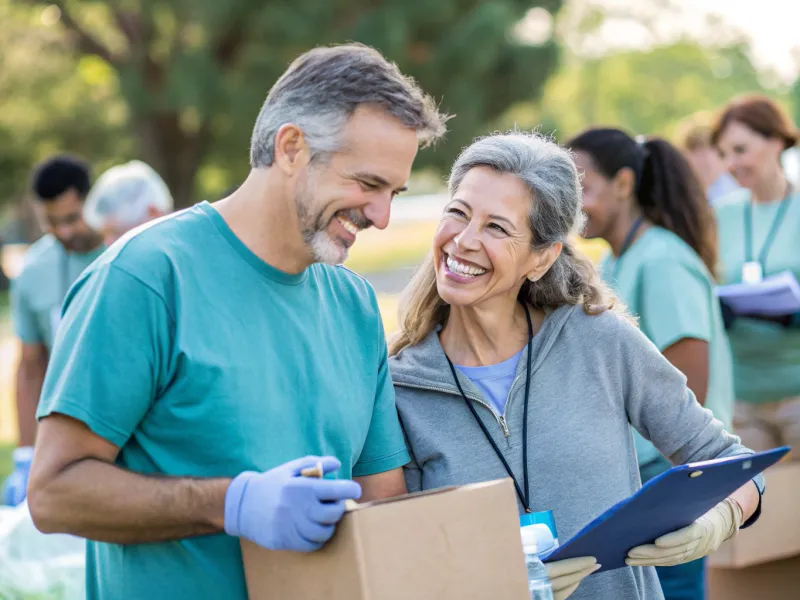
(483, 246)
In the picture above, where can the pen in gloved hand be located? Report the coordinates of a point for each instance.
(317, 472)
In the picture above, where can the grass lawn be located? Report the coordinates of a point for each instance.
(400, 245)
(5, 460)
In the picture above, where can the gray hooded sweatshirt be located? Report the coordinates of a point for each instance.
(593, 377)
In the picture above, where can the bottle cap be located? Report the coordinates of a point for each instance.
(536, 538)
(22, 454)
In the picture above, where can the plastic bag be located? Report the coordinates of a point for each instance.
(35, 566)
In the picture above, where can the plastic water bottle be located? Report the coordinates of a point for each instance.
(538, 583)
(16, 486)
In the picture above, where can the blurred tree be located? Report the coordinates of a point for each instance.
(51, 101)
(647, 88)
(194, 73)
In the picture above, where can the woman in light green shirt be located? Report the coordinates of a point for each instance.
(759, 235)
(645, 201)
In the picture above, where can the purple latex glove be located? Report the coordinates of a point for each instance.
(281, 510)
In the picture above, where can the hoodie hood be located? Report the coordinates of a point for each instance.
(425, 365)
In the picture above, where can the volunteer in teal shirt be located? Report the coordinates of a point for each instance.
(206, 359)
(50, 265)
(760, 226)
(645, 201)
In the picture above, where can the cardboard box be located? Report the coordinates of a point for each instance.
(776, 534)
(763, 561)
(458, 543)
(779, 580)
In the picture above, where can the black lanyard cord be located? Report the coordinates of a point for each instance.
(523, 496)
(773, 230)
(637, 224)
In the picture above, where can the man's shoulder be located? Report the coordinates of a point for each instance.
(41, 257)
(161, 243)
(43, 251)
(342, 279)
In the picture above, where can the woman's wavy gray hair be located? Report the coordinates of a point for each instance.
(552, 179)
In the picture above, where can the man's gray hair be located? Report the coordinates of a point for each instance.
(322, 88)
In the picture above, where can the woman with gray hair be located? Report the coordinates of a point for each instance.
(512, 361)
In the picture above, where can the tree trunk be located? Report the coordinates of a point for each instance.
(175, 153)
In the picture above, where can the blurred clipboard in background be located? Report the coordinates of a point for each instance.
(773, 296)
(666, 503)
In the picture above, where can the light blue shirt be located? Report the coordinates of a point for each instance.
(666, 285)
(39, 290)
(722, 186)
(494, 381)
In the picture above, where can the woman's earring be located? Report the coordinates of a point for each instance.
(533, 279)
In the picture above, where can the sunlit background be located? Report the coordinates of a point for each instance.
(178, 85)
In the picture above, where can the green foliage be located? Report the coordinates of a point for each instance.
(643, 92)
(51, 101)
(194, 73)
(5, 461)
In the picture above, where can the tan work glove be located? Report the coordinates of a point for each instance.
(566, 575)
(699, 539)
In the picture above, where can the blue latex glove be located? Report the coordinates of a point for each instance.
(281, 510)
(16, 486)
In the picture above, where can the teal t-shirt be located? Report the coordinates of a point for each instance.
(198, 359)
(666, 285)
(38, 291)
(766, 356)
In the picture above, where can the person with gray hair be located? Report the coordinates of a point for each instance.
(126, 196)
(513, 360)
(208, 359)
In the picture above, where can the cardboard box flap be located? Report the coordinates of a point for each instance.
(351, 506)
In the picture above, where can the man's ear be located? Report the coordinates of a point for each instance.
(292, 153)
(542, 260)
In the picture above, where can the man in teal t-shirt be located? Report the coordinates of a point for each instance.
(206, 359)
(52, 263)
(667, 286)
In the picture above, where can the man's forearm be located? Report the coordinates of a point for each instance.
(102, 502)
(30, 377)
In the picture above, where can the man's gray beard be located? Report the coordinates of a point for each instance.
(321, 245)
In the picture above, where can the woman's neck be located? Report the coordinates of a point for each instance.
(476, 336)
(621, 228)
(771, 188)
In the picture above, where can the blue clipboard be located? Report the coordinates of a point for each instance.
(668, 502)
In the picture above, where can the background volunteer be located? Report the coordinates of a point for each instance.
(645, 201)
(124, 197)
(51, 264)
(503, 293)
(202, 355)
(760, 227)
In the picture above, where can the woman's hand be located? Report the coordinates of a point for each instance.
(566, 575)
(699, 539)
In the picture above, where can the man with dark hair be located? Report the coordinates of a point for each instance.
(60, 185)
(207, 359)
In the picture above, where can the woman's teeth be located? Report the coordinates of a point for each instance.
(348, 225)
(461, 269)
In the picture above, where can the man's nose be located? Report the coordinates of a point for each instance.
(62, 232)
(378, 211)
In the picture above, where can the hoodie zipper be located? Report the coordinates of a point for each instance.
(501, 419)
